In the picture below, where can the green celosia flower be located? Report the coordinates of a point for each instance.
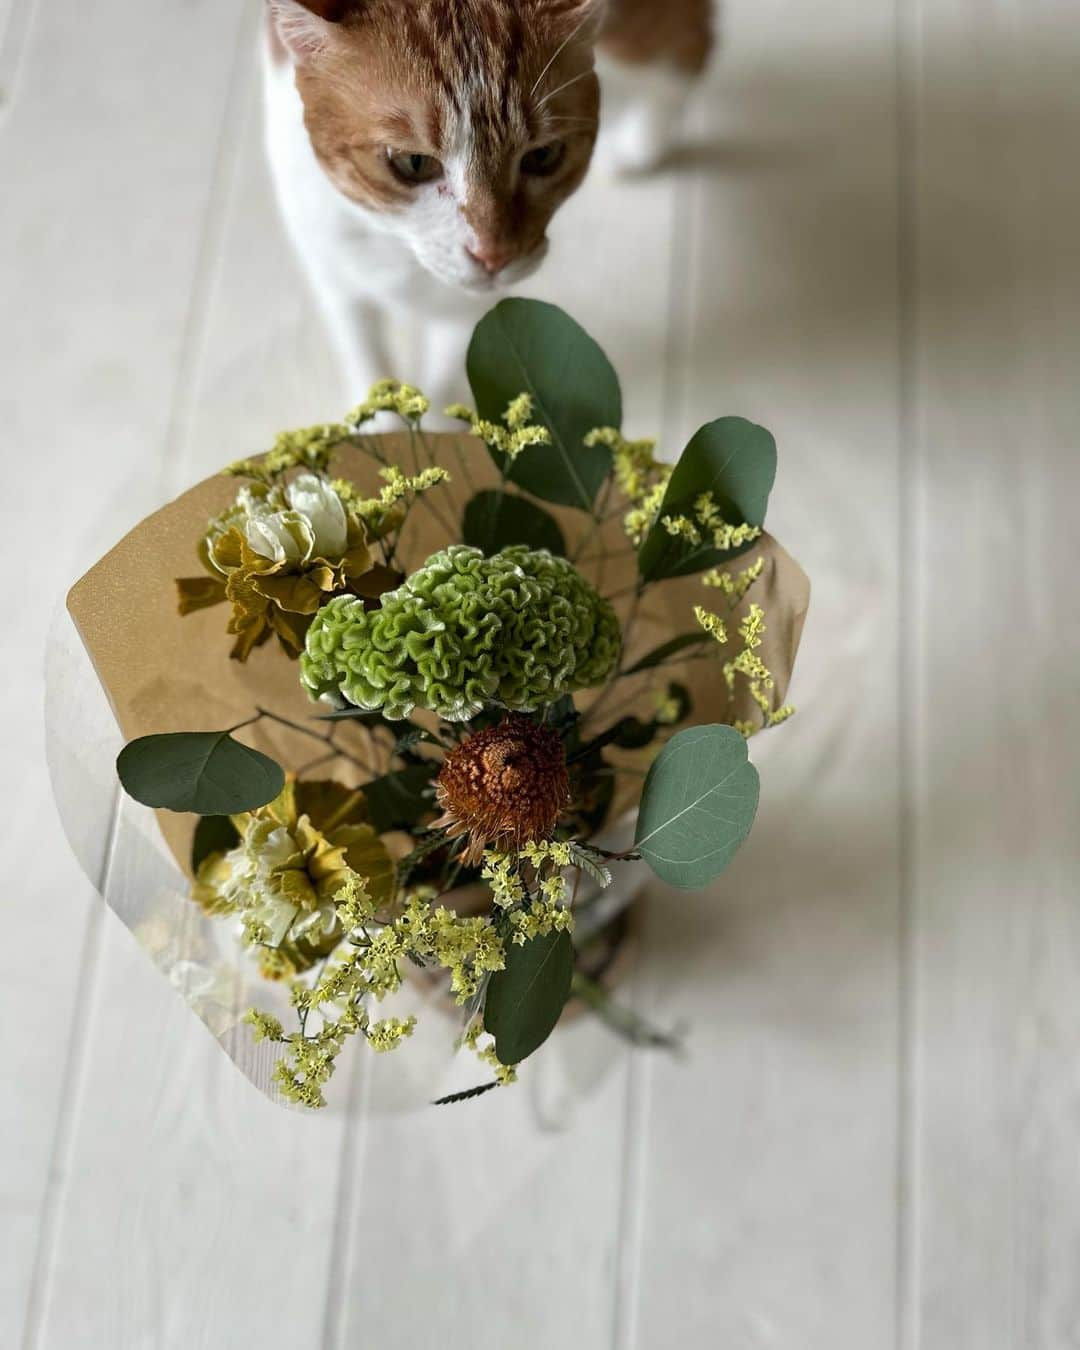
(520, 629)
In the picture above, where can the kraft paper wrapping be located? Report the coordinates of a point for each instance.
(163, 672)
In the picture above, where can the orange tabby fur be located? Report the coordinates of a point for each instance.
(679, 31)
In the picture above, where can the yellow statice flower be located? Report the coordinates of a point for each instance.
(708, 525)
(634, 463)
(719, 531)
(500, 871)
(505, 1074)
(302, 447)
(639, 476)
(640, 519)
(389, 1033)
(734, 587)
(366, 966)
(386, 512)
(668, 708)
(542, 851)
(712, 623)
(390, 396)
(518, 412)
(541, 909)
(752, 627)
(760, 682)
(544, 915)
(509, 440)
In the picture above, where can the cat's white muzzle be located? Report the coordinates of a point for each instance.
(464, 273)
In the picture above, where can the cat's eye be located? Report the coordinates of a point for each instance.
(411, 167)
(544, 160)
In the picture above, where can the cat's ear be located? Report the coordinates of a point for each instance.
(306, 26)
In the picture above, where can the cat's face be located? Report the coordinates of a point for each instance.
(460, 125)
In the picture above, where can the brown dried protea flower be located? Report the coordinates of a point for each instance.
(506, 785)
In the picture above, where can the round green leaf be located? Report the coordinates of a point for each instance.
(494, 520)
(697, 806)
(527, 347)
(202, 771)
(526, 998)
(733, 459)
(397, 800)
(213, 834)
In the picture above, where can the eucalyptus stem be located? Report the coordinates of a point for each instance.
(463, 461)
(619, 1018)
(628, 628)
(597, 518)
(326, 738)
(249, 721)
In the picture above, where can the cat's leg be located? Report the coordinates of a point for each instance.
(650, 124)
(653, 71)
(443, 345)
(357, 328)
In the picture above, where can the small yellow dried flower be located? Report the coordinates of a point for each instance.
(390, 396)
(734, 587)
(509, 440)
(713, 624)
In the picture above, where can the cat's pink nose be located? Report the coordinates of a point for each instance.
(493, 257)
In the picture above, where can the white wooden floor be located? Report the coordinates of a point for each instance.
(873, 246)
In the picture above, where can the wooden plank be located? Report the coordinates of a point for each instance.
(143, 1164)
(991, 712)
(98, 178)
(761, 1197)
(197, 1194)
(15, 16)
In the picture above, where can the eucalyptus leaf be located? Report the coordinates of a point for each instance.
(526, 998)
(731, 458)
(697, 805)
(207, 772)
(213, 834)
(528, 347)
(631, 733)
(673, 647)
(398, 800)
(494, 520)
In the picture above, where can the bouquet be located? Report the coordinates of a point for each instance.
(428, 700)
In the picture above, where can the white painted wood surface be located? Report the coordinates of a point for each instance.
(873, 246)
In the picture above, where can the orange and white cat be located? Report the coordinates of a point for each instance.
(420, 148)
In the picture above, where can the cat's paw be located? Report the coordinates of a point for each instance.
(646, 131)
(636, 144)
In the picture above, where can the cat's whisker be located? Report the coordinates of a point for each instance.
(548, 97)
(558, 52)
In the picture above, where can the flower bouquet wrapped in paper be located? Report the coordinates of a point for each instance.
(436, 703)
